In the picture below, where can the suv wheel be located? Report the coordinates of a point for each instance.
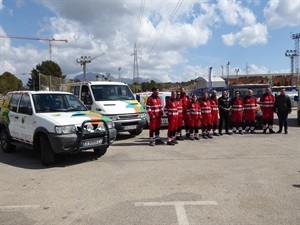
(5, 141)
(47, 154)
(100, 151)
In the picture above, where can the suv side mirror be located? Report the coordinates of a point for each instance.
(296, 98)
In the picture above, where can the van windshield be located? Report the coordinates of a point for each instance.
(112, 92)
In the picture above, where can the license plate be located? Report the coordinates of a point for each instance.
(131, 127)
(164, 121)
(91, 142)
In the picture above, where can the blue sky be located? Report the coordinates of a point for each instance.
(177, 40)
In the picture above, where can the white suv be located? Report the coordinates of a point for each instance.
(54, 123)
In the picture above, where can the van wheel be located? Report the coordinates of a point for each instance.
(47, 154)
(100, 151)
(5, 141)
(136, 132)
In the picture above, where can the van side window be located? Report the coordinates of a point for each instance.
(86, 97)
(13, 104)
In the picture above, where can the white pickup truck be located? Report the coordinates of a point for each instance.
(54, 123)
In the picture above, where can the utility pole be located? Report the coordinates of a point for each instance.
(292, 54)
(136, 76)
(296, 37)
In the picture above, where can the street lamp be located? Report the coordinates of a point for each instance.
(292, 54)
(83, 60)
(236, 75)
(227, 67)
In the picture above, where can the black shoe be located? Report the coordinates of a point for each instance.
(175, 141)
(247, 130)
(216, 134)
(179, 138)
(197, 138)
(220, 134)
(209, 136)
(286, 132)
(234, 132)
(241, 132)
(252, 132)
(192, 138)
(278, 132)
(228, 133)
(204, 136)
(187, 135)
(159, 142)
(170, 143)
(271, 131)
(265, 131)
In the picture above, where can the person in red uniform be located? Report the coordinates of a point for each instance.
(250, 104)
(194, 114)
(214, 104)
(180, 118)
(205, 116)
(185, 103)
(237, 105)
(155, 112)
(171, 110)
(266, 102)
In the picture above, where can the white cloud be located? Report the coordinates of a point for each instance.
(1, 5)
(281, 13)
(235, 14)
(248, 36)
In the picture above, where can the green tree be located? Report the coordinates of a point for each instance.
(9, 82)
(47, 68)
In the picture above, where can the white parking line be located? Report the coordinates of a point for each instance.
(15, 207)
(179, 207)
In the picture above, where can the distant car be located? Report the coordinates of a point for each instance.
(54, 123)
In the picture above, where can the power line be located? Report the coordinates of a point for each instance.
(177, 7)
(142, 7)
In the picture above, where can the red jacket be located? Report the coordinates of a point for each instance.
(154, 107)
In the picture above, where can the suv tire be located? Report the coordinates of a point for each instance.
(5, 141)
(47, 154)
(100, 151)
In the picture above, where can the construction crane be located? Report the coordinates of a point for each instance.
(83, 60)
(50, 40)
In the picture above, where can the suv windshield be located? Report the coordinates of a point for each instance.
(48, 102)
(112, 92)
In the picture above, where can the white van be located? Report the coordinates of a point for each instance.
(164, 96)
(112, 99)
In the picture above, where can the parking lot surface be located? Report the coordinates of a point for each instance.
(237, 179)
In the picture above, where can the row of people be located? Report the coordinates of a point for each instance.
(205, 113)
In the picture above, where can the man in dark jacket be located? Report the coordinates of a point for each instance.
(282, 107)
(224, 109)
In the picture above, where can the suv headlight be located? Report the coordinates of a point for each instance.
(113, 118)
(110, 125)
(69, 129)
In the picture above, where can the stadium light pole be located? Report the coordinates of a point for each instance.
(83, 60)
(237, 70)
(292, 54)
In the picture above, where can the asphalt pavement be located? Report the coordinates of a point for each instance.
(237, 179)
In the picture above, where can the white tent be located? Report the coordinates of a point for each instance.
(204, 83)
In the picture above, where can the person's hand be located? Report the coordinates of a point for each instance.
(153, 117)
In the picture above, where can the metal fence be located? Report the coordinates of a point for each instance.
(50, 83)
